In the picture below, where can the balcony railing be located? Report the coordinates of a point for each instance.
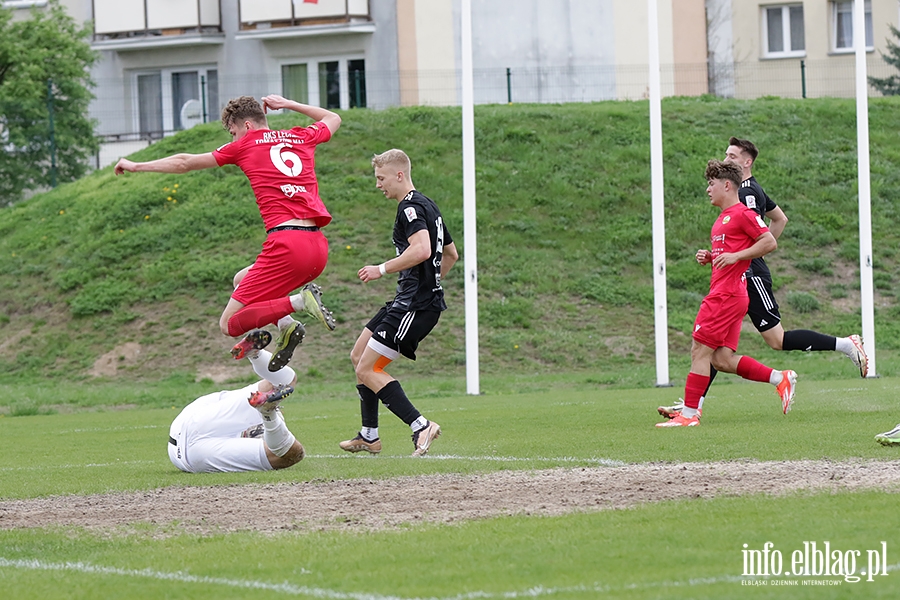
(255, 15)
(117, 19)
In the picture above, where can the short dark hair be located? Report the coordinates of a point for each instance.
(243, 108)
(716, 169)
(745, 145)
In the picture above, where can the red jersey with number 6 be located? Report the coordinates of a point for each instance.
(281, 167)
(736, 229)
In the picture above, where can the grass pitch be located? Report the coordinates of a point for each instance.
(675, 549)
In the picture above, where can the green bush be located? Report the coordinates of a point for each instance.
(101, 296)
(816, 265)
(802, 302)
(507, 312)
(882, 280)
(837, 290)
(688, 276)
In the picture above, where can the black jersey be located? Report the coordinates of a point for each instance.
(755, 198)
(419, 287)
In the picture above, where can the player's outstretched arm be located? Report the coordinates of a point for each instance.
(316, 113)
(177, 163)
(419, 251)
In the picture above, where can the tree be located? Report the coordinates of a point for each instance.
(45, 89)
(889, 86)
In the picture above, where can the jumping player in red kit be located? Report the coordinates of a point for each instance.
(738, 236)
(281, 168)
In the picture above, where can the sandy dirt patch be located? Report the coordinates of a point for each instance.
(123, 355)
(364, 504)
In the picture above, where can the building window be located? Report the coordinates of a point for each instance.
(783, 31)
(150, 110)
(170, 100)
(186, 101)
(329, 83)
(213, 108)
(842, 20)
(295, 82)
(357, 71)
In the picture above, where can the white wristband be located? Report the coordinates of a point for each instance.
(382, 269)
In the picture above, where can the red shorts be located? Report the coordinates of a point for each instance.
(289, 259)
(719, 320)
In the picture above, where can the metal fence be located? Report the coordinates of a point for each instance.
(117, 107)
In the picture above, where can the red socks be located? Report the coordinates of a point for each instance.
(694, 387)
(254, 316)
(753, 370)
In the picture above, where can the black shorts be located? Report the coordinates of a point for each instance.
(401, 332)
(763, 310)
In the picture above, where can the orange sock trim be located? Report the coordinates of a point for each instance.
(381, 363)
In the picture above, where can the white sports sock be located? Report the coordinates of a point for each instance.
(297, 303)
(285, 321)
(283, 376)
(776, 377)
(276, 434)
(688, 413)
(370, 434)
(419, 424)
(700, 405)
(844, 345)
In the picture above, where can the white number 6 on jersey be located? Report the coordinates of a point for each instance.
(279, 159)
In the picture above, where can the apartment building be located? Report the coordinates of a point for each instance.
(793, 48)
(168, 64)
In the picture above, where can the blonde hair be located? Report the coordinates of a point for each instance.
(392, 157)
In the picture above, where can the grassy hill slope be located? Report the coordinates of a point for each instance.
(125, 277)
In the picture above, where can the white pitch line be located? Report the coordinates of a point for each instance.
(68, 467)
(302, 590)
(606, 462)
(182, 577)
(105, 429)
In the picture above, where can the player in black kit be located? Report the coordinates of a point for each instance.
(425, 253)
(763, 310)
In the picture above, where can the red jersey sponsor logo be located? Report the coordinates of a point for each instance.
(289, 190)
